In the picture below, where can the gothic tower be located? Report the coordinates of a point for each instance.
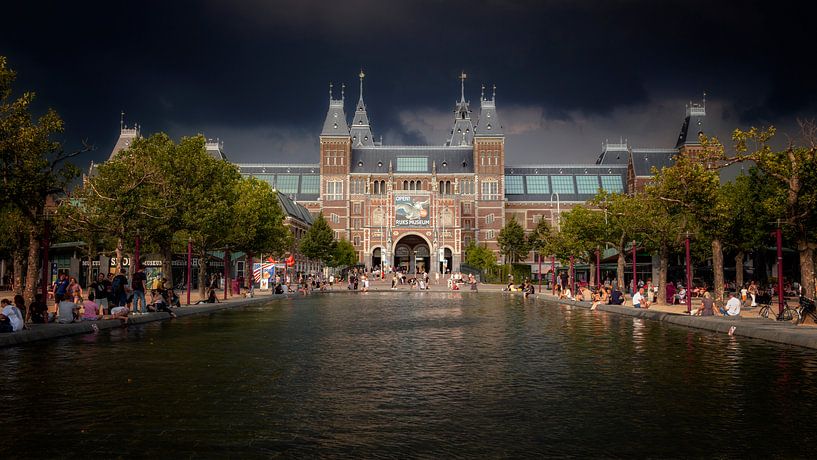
(489, 171)
(335, 156)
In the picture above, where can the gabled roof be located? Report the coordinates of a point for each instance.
(335, 122)
(488, 124)
(645, 159)
(612, 153)
(447, 160)
(693, 126)
(294, 210)
(215, 148)
(126, 138)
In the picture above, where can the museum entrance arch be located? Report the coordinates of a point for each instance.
(412, 254)
(377, 258)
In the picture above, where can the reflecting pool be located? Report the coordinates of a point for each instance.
(407, 375)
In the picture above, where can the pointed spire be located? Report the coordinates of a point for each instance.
(342, 91)
(122, 120)
(462, 77)
(330, 91)
(482, 93)
(361, 75)
(704, 100)
(493, 95)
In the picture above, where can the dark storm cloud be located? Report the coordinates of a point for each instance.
(256, 72)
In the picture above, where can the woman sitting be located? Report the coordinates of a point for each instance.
(211, 297)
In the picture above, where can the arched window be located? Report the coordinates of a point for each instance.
(405, 185)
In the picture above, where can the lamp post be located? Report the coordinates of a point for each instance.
(779, 237)
(553, 274)
(136, 252)
(598, 268)
(634, 273)
(572, 278)
(46, 244)
(226, 271)
(539, 256)
(689, 275)
(189, 267)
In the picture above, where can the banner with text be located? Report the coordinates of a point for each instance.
(411, 211)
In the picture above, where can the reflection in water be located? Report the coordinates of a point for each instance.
(418, 374)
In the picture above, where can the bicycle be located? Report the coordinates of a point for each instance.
(788, 313)
(807, 309)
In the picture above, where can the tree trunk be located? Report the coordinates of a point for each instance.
(202, 275)
(620, 267)
(167, 262)
(592, 266)
(717, 269)
(739, 258)
(119, 246)
(663, 256)
(17, 275)
(807, 276)
(33, 263)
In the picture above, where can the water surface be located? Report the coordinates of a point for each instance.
(407, 375)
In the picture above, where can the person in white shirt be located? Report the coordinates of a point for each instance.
(732, 306)
(639, 301)
(11, 318)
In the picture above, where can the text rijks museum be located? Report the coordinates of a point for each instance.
(418, 206)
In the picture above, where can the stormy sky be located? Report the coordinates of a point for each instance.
(569, 74)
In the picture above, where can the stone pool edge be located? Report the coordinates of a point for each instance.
(764, 329)
(54, 331)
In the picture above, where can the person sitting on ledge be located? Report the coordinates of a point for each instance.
(67, 311)
(90, 308)
(38, 310)
(639, 301)
(732, 306)
(11, 318)
(211, 297)
(617, 297)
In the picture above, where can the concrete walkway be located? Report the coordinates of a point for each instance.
(748, 325)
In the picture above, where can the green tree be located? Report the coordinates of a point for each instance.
(660, 232)
(14, 231)
(512, 241)
(690, 188)
(33, 165)
(205, 189)
(748, 225)
(793, 172)
(622, 222)
(582, 233)
(318, 243)
(258, 220)
(343, 254)
(479, 257)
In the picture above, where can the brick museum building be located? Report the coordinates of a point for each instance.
(419, 206)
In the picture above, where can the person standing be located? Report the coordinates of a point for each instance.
(119, 291)
(60, 287)
(138, 285)
(100, 288)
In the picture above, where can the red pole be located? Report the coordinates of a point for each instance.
(135, 265)
(689, 277)
(226, 272)
(572, 278)
(598, 268)
(634, 273)
(46, 244)
(189, 268)
(252, 273)
(780, 299)
(553, 273)
(540, 273)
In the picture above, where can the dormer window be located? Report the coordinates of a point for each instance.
(335, 114)
(335, 125)
(489, 126)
